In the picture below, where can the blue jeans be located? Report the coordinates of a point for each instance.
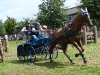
(34, 37)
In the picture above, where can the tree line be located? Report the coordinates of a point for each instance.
(51, 13)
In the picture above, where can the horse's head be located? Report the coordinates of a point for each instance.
(86, 17)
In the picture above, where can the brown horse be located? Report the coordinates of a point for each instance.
(70, 34)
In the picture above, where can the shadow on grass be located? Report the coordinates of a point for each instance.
(18, 62)
(42, 63)
(52, 65)
(45, 63)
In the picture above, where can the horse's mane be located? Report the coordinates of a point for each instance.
(79, 13)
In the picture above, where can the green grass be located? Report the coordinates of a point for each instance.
(60, 66)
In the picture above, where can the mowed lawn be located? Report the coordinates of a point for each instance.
(60, 66)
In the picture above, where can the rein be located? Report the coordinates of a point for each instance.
(76, 23)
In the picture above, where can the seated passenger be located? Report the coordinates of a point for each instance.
(27, 30)
(36, 30)
(46, 29)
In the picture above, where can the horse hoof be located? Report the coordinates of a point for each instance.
(76, 55)
(51, 60)
(2, 60)
(85, 61)
(72, 62)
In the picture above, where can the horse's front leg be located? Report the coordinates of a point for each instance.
(80, 52)
(65, 52)
(80, 45)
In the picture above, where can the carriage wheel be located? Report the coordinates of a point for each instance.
(44, 52)
(30, 53)
(21, 53)
(55, 52)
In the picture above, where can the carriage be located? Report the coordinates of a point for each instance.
(69, 34)
(28, 50)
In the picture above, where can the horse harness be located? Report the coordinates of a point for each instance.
(70, 34)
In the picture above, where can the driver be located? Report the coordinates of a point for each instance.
(27, 30)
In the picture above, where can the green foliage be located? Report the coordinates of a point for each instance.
(93, 8)
(10, 24)
(21, 24)
(52, 13)
(2, 28)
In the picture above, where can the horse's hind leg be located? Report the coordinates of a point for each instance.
(51, 51)
(65, 52)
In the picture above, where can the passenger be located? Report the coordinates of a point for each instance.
(45, 28)
(36, 30)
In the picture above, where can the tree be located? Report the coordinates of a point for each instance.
(2, 28)
(52, 13)
(21, 25)
(10, 24)
(93, 8)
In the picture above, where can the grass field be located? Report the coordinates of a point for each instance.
(60, 66)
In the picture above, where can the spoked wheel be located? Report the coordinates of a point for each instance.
(21, 53)
(30, 53)
(44, 52)
(55, 52)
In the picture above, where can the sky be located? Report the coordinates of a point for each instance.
(20, 9)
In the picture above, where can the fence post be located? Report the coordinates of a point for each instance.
(84, 38)
(95, 34)
(6, 43)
